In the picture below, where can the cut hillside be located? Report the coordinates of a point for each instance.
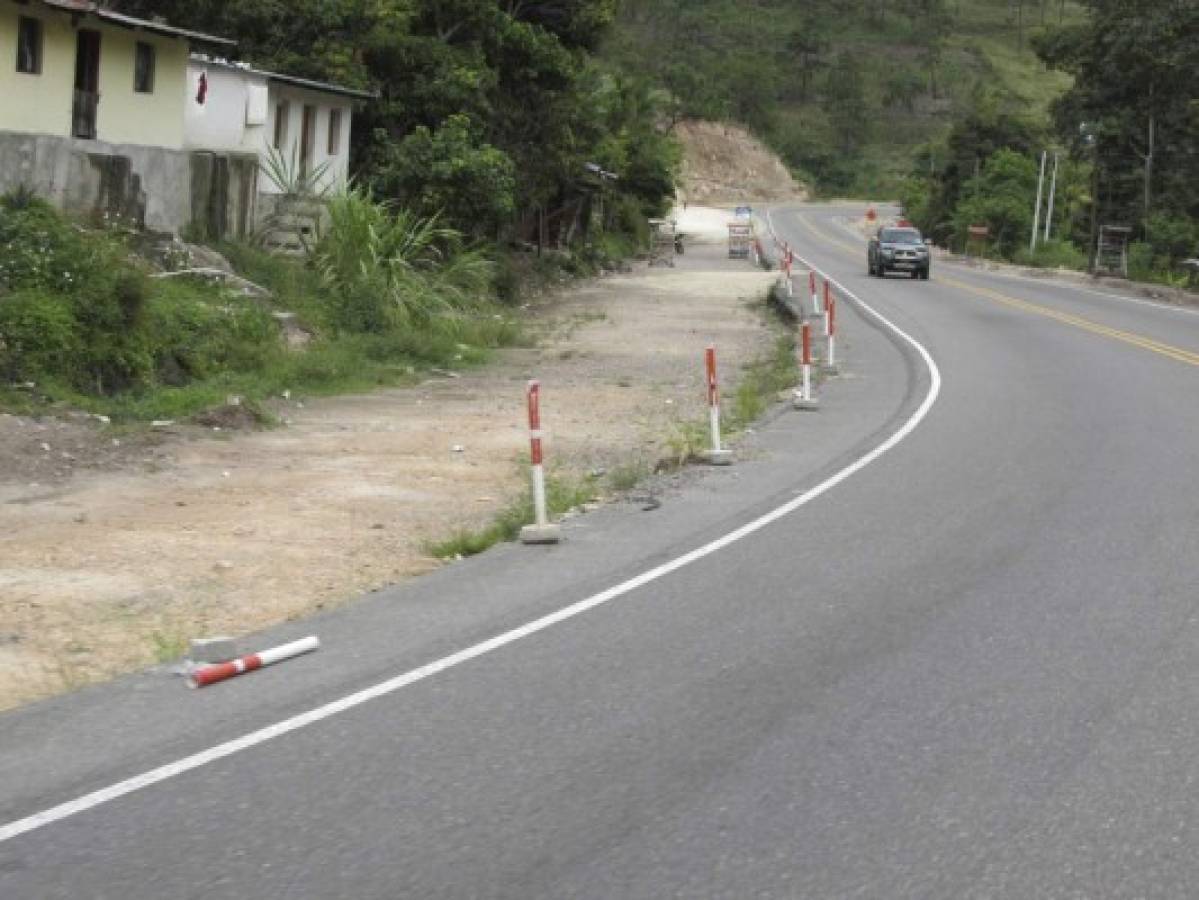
(724, 165)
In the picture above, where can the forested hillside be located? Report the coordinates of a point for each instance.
(845, 90)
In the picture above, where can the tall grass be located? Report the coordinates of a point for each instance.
(394, 269)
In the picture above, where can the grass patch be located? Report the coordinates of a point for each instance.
(562, 494)
(83, 320)
(628, 475)
(167, 647)
(757, 389)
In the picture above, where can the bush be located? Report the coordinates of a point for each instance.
(1173, 237)
(1053, 254)
(450, 172)
(38, 334)
(389, 268)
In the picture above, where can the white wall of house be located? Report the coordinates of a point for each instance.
(224, 121)
(332, 151)
(248, 111)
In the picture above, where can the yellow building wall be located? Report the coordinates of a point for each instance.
(41, 104)
(127, 117)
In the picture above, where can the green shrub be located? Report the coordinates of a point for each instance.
(389, 268)
(1140, 261)
(38, 333)
(1172, 237)
(1053, 254)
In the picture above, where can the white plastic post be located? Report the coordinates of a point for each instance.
(717, 456)
(803, 397)
(206, 675)
(830, 311)
(541, 531)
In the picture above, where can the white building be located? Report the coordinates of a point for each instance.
(231, 107)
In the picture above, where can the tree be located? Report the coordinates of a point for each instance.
(1133, 104)
(449, 172)
(1001, 197)
(845, 103)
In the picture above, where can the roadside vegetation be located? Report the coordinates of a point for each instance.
(84, 322)
(1125, 130)
(502, 153)
(756, 388)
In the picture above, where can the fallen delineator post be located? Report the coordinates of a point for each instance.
(206, 675)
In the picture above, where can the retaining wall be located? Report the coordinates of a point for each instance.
(151, 187)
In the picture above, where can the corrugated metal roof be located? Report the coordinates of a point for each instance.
(295, 80)
(90, 7)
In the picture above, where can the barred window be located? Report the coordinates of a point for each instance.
(29, 46)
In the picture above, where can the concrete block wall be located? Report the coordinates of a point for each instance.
(152, 187)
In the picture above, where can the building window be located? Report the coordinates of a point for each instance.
(281, 113)
(143, 68)
(334, 131)
(29, 46)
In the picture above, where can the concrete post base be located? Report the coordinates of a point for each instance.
(718, 457)
(540, 534)
(809, 405)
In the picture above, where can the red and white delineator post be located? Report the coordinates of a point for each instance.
(803, 396)
(830, 362)
(718, 455)
(206, 675)
(812, 291)
(787, 258)
(541, 531)
(828, 300)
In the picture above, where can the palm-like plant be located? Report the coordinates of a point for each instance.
(396, 269)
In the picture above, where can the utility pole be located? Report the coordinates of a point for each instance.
(1036, 215)
(1052, 193)
(1149, 166)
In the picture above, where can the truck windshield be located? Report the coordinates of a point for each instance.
(900, 236)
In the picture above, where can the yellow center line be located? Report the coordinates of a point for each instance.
(1127, 337)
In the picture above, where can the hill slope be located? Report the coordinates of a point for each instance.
(725, 165)
(845, 92)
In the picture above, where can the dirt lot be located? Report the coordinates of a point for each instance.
(116, 548)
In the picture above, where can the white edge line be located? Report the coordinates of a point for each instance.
(220, 751)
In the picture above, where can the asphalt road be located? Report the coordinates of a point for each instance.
(968, 669)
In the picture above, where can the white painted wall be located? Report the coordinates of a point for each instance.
(296, 98)
(221, 123)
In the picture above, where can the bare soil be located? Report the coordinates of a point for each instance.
(724, 165)
(116, 548)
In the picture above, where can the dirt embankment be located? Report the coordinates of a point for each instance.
(114, 548)
(724, 165)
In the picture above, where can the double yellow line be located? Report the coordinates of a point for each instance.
(1136, 340)
(1128, 337)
